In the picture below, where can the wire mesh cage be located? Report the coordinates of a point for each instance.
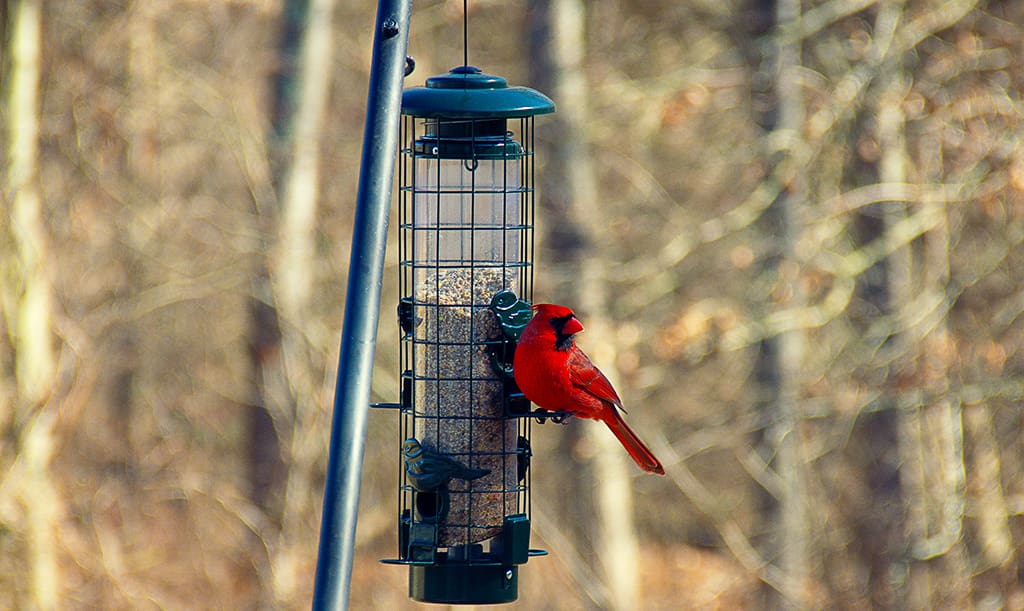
(466, 218)
(466, 234)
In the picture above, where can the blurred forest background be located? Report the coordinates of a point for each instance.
(792, 229)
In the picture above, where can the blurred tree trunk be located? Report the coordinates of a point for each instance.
(142, 166)
(931, 439)
(995, 539)
(878, 525)
(899, 293)
(284, 336)
(31, 505)
(995, 547)
(911, 587)
(573, 232)
(781, 361)
(271, 402)
(271, 398)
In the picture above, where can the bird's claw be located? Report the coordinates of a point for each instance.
(556, 417)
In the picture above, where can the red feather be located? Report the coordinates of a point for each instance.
(557, 376)
(588, 378)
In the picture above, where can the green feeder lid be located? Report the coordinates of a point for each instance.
(467, 93)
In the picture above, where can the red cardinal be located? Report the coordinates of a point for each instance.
(556, 375)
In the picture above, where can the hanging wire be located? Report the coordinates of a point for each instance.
(465, 32)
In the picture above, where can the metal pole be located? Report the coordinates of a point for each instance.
(362, 302)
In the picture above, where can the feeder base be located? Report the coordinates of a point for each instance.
(464, 584)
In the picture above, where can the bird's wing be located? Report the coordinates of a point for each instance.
(587, 377)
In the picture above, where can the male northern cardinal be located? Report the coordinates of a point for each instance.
(556, 375)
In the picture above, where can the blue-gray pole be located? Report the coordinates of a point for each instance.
(362, 302)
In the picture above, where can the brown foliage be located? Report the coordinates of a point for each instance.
(158, 173)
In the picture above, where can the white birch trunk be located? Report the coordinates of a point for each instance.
(28, 303)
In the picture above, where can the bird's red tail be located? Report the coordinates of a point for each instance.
(644, 458)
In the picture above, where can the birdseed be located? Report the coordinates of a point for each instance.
(458, 397)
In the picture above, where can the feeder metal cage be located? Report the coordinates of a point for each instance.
(466, 220)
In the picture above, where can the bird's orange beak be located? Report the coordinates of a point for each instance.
(572, 326)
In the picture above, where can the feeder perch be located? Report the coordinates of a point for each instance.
(466, 212)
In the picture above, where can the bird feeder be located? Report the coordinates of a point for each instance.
(466, 211)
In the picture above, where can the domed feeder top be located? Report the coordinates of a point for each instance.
(466, 92)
